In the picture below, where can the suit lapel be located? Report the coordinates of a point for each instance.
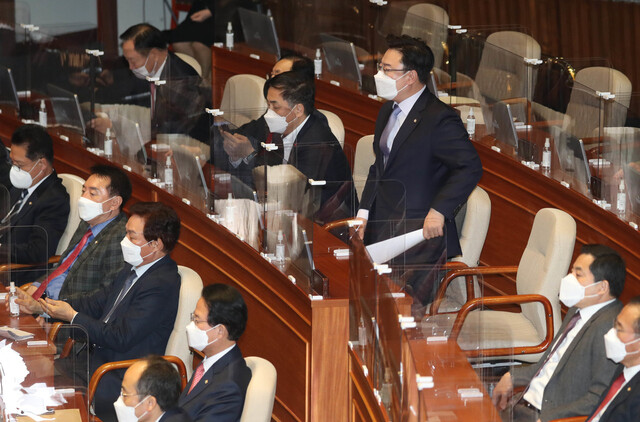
(208, 377)
(629, 389)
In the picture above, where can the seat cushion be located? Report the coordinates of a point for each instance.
(497, 329)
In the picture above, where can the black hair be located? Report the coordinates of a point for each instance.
(607, 265)
(161, 380)
(144, 37)
(226, 306)
(119, 184)
(296, 88)
(416, 54)
(36, 140)
(160, 222)
(301, 64)
(635, 301)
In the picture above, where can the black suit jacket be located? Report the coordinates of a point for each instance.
(43, 219)
(176, 414)
(5, 167)
(219, 396)
(316, 153)
(140, 326)
(625, 406)
(432, 164)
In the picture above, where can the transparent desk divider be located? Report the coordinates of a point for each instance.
(5, 235)
(53, 373)
(27, 249)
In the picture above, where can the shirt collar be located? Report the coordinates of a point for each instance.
(34, 187)
(158, 71)
(589, 311)
(210, 360)
(630, 372)
(291, 138)
(98, 227)
(143, 268)
(407, 104)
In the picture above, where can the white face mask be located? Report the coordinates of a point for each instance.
(276, 122)
(614, 347)
(386, 86)
(21, 179)
(88, 209)
(142, 72)
(571, 291)
(131, 252)
(198, 338)
(126, 413)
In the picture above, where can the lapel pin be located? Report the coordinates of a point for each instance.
(628, 388)
(415, 120)
(206, 381)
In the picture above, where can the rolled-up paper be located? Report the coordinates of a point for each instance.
(386, 250)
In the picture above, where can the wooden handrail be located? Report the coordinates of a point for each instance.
(10, 267)
(505, 300)
(468, 273)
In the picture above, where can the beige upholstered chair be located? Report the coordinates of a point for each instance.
(335, 124)
(73, 184)
(191, 61)
(522, 336)
(473, 232)
(502, 73)
(243, 98)
(258, 403)
(190, 292)
(364, 158)
(430, 23)
(585, 109)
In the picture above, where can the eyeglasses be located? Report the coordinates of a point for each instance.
(194, 318)
(124, 395)
(386, 70)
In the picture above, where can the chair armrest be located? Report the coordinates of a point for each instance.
(571, 419)
(336, 224)
(468, 273)
(111, 366)
(505, 300)
(7, 267)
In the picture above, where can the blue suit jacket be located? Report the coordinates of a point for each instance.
(432, 164)
(219, 396)
(140, 326)
(625, 406)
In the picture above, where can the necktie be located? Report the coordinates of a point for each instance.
(572, 323)
(64, 266)
(197, 376)
(15, 207)
(152, 87)
(384, 138)
(125, 288)
(613, 390)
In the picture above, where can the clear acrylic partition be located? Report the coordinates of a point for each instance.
(5, 236)
(35, 252)
(53, 374)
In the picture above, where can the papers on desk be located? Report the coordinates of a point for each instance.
(386, 250)
(63, 415)
(14, 334)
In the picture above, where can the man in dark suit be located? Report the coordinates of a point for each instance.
(425, 165)
(218, 386)
(39, 202)
(94, 256)
(5, 168)
(178, 103)
(150, 391)
(304, 140)
(134, 316)
(574, 371)
(621, 401)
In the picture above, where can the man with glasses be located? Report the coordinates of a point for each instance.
(425, 166)
(39, 203)
(218, 386)
(621, 401)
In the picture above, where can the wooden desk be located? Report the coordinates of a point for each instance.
(39, 360)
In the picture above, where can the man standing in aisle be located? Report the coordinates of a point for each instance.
(425, 165)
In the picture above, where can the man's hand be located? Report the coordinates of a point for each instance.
(100, 124)
(503, 392)
(27, 304)
(433, 225)
(58, 309)
(360, 229)
(201, 15)
(29, 289)
(236, 146)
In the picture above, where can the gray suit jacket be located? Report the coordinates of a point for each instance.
(100, 262)
(583, 373)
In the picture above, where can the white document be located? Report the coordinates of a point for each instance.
(386, 250)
